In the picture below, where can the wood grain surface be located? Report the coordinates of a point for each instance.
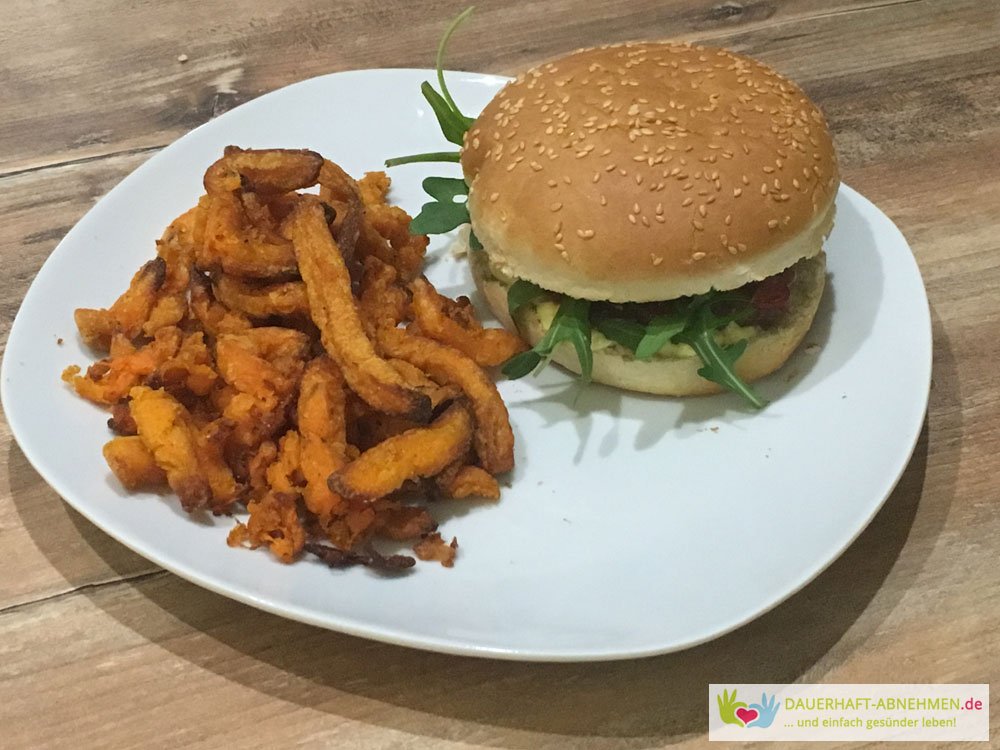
(99, 648)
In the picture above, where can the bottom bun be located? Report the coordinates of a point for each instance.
(766, 351)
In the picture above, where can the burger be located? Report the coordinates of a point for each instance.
(652, 216)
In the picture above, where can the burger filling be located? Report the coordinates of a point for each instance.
(715, 327)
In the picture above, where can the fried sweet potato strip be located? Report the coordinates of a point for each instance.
(382, 301)
(129, 312)
(276, 170)
(285, 473)
(133, 464)
(273, 522)
(339, 190)
(233, 244)
(487, 347)
(214, 317)
(191, 458)
(335, 312)
(322, 415)
(166, 430)
(421, 452)
(494, 439)
(433, 547)
(466, 482)
(262, 300)
(191, 368)
(393, 223)
(402, 522)
(109, 380)
(176, 248)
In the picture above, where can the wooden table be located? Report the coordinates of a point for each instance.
(102, 649)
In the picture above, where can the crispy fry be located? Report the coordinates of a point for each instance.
(339, 558)
(336, 314)
(339, 190)
(467, 481)
(433, 547)
(176, 248)
(191, 368)
(274, 522)
(382, 301)
(262, 300)
(234, 245)
(133, 464)
(108, 381)
(214, 317)
(393, 223)
(285, 473)
(323, 429)
(403, 522)
(129, 312)
(494, 439)
(374, 188)
(191, 458)
(120, 422)
(420, 452)
(276, 170)
(165, 428)
(488, 347)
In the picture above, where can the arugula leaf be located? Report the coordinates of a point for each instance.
(445, 213)
(718, 361)
(439, 62)
(622, 331)
(522, 292)
(439, 218)
(445, 189)
(446, 156)
(659, 331)
(453, 123)
(570, 324)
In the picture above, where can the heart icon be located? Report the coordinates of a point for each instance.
(746, 715)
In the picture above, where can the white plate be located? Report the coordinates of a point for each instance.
(632, 526)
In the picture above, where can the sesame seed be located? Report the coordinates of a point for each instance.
(687, 202)
(553, 183)
(772, 224)
(763, 189)
(737, 192)
(645, 221)
(631, 218)
(741, 247)
(698, 256)
(559, 246)
(702, 211)
(555, 206)
(493, 197)
(635, 208)
(604, 200)
(596, 177)
(536, 166)
(698, 225)
(657, 260)
(585, 233)
(729, 219)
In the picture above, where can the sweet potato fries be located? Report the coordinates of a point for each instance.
(282, 354)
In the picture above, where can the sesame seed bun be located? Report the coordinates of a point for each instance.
(646, 172)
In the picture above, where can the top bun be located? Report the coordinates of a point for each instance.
(643, 172)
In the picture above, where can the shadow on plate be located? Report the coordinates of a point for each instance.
(633, 703)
